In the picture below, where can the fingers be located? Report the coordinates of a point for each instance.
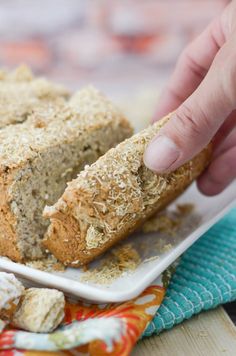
(222, 170)
(195, 61)
(191, 68)
(198, 119)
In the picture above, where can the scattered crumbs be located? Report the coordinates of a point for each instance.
(85, 268)
(159, 246)
(161, 223)
(162, 246)
(120, 260)
(166, 248)
(185, 209)
(166, 222)
(150, 259)
(127, 257)
(48, 264)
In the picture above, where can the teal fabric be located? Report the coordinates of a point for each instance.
(204, 279)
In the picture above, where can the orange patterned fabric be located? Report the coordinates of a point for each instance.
(108, 329)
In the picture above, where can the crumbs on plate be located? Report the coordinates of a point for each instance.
(166, 222)
(48, 264)
(126, 258)
(119, 260)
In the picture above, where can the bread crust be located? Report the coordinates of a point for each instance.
(112, 198)
(20, 94)
(8, 236)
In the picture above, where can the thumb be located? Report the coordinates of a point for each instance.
(197, 120)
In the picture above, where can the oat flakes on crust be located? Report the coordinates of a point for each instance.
(21, 92)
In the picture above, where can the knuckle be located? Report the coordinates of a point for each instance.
(194, 67)
(189, 130)
(186, 123)
(174, 94)
(183, 60)
(188, 60)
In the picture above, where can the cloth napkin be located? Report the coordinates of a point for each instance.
(205, 278)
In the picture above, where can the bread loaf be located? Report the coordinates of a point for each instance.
(113, 197)
(39, 155)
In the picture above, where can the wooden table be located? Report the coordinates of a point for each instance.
(210, 333)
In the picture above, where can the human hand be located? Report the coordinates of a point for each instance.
(202, 89)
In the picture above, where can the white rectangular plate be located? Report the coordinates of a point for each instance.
(130, 285)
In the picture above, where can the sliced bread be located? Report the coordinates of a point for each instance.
(41, 154)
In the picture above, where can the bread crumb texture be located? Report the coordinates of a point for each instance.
(113, 197)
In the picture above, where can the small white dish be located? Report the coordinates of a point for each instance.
(130, 285)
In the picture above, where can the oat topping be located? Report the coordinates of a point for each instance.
(21, 92)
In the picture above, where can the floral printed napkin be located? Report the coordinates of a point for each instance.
(89, 329)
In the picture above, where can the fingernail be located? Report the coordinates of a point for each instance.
(160, 154)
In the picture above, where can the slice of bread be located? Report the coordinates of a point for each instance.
(20, 92)
(41, 310)
(113, 197)
(41, 154)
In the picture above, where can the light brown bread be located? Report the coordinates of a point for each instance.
(38, 156)
(113, 197)
(20, 92)
(41, 310)
(33, 309)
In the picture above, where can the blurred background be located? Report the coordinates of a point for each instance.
(125, 48)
